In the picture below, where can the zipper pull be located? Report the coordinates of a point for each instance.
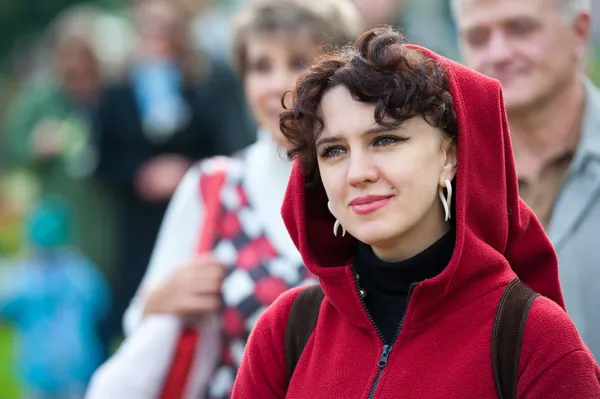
(383, 360)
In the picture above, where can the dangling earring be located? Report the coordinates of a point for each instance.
(337, 224)
(447, 199)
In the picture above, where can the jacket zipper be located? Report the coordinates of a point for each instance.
(387, 348)
(383, 360)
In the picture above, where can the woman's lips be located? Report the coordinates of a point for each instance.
(369, 204)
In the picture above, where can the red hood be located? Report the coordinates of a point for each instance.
(495, 230)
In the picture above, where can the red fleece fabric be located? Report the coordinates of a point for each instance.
(444, 348)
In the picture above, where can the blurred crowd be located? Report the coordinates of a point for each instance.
(103, 113)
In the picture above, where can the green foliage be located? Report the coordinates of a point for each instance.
(20, 18)
(594, 66)
(9, 388)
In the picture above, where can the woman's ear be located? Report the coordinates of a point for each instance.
(450, 151)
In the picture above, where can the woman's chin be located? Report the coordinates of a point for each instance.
(375, 237)
(277, 136)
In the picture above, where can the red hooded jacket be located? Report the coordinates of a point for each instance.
(444, 347)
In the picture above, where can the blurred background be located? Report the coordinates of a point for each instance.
(66, 192)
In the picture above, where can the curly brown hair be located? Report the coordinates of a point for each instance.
(378, 69)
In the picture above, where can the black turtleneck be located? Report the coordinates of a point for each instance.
(386, 284)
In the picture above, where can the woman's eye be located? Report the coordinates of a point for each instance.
(260, 66)
(383, 141)
(331, 152)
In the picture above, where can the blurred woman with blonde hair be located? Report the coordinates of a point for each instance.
(250, 260)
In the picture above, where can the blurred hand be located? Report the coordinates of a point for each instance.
(45, 142)
(157, 179)
(193, 289)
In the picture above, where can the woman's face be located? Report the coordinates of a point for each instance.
(383, 184)
(78, 69)
(157, 29)
(274, 63)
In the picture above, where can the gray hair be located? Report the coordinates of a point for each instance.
(570, 8)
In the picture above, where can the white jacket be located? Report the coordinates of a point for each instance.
(138, 368)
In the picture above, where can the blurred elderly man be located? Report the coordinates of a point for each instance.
(536, 49)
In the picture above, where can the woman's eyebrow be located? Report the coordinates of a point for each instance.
(372, 131)
(379, 129)
(327, 140)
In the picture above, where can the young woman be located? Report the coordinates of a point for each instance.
(254, 260)
(383, 134)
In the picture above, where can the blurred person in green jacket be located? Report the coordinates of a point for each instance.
(48, 134)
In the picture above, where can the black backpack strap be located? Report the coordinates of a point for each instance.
(301, 322)
(507, 336)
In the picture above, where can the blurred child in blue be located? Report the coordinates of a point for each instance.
(54, 298)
